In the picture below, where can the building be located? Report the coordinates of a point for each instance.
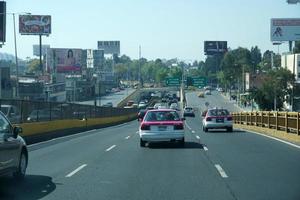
(292, 63)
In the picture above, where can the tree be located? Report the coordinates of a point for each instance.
(255, 57)
(34, 65)
(276, 85)
(266, 63)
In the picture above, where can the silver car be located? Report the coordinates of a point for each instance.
(13, 150)
(217, 119)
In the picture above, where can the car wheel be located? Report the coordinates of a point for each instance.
(229, 129)
(182, 142)
(21, 171)
(205, 129)
(142, 143)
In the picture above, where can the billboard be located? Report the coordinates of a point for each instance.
(109, 47)
(215, 47)
(36, 49)
(35, 24)
(285, 29)
(65, 60)
(2, 21)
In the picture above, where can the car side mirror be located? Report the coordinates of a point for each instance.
(16, 131)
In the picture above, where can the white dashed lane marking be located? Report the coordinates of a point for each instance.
(221, 171)
(110, 148)
(76, 170)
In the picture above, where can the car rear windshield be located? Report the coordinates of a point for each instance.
(162, 116)
(218, 112)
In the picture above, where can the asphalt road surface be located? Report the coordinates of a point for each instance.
(109, 164)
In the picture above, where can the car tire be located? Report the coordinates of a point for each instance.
(182, 142)
(229, 129)
(21, 171)
(142, 143)
(205, 130)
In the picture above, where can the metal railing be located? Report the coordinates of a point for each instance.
(286, 121)
(25, 111)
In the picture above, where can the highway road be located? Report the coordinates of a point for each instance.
(115, 98)
(109, 164)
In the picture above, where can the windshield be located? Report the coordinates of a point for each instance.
(162, 116)
(218, 112)
(5, 110)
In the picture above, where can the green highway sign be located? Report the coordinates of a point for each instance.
(173, 81)
(199, 81)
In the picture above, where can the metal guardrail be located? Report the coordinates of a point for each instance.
(286, 121)
(25, 111)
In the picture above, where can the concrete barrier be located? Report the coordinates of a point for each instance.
(42, 131)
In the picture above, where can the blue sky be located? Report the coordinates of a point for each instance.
(164, 28)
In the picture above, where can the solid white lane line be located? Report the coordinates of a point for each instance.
(205, 148)
(76, 170)
(221, 171)
(274, 138)
(110, 148)
(193, 131)
(198, 137)
(127, 137)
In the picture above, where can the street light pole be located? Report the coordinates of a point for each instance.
(16, 57)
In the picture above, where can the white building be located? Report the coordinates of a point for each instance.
(292, 63)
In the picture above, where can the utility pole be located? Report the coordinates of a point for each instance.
(16, 57)
(139, 75)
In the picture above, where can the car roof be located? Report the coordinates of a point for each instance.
(162, 110)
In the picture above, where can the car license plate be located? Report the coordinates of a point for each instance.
(162, 128)
(219, 120)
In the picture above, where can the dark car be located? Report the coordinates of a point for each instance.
(141, 114)
(13, 150)
(188, 112)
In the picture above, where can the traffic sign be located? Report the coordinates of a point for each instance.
(173, 81)
(199, 81)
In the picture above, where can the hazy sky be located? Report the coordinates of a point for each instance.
(164, 28)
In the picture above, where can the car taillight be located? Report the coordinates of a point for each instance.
(208, 119)
(229, 118)
(145, 127)
(178, 127)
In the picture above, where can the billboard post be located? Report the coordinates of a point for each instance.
(41, 64)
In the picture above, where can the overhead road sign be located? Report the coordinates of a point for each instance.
(285, 29)
(173, 81)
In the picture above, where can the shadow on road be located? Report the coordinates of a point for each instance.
(225, 132)
(32, 187)
(168, 145)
